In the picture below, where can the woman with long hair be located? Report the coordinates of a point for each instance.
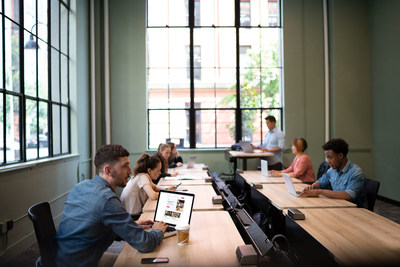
(141, 186)
(163, 153)
(175, 159)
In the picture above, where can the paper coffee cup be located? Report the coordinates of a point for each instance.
(182, 233)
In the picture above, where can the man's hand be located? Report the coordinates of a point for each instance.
(179, 164)
(264, 149)
(160, 225)
(145, 223)
(309, 192)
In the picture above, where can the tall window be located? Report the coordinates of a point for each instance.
(214, 70)
(34, 80)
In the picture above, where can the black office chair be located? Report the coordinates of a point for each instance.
(45, 231)
(322, 169)
(371, 188)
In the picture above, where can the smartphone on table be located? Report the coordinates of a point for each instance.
(176, 186)
(154, 260)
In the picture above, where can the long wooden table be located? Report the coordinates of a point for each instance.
(213, 241)
(354, 237)
(202, 200)
(234, 155)
(282, 199)
(168, 183)
(257, 178)
(183, 169)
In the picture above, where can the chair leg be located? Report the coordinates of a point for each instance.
(38, 262)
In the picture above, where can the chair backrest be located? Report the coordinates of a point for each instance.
(45, 231)
(322, 169)
(371, 188)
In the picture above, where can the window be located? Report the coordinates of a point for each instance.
(214, 70)
(196, 62)
(245, 19)
(34, 80)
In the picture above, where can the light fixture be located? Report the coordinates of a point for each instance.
(31, 44)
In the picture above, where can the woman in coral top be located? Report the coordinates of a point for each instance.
(301, 167)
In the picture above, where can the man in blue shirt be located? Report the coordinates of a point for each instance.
(274, 141)
(93, 215)
(344, 180)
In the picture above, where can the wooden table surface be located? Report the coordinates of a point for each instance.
(257, 177)
(202, 200)
(168, 183)
(282, 199)
(212, 242)
(354, 236)
(184, 169)
(255, 154)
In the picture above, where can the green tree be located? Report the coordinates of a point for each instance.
(259, 87)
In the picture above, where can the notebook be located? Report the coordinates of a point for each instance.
(174, 208)
(289, 185)
(246, 146)
(264, 168)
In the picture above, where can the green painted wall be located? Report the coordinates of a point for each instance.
(385, 43)
(303, 79)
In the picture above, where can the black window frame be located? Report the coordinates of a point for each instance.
(192, 110)
(62, 104)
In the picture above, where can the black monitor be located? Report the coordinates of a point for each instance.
(259, 239)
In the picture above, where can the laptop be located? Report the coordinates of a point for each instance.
(191, 162)
(264, 168)
(289, 185)
(246, 146)
(174, 208)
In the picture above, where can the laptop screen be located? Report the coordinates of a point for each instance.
(174, 208)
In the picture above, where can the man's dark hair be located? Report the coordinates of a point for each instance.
(109, 154)
(270, 118)
(337, 145)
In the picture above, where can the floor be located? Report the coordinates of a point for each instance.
(28, 257)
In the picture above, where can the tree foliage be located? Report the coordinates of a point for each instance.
(259, 87)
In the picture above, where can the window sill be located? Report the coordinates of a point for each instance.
(34, 163)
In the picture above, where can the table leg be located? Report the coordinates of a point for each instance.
(244, 164)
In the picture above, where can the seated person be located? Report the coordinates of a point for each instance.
(175, 159)
(93, 215)
(163, 153)
(274, 141)
(301, 167)
(345, 178)
(141, 187)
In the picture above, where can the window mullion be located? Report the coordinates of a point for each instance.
(238, 113)
(192, 112)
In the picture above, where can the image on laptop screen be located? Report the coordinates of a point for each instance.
(174, 208)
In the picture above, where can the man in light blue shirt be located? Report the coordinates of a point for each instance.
(344, 180)
(93, 215)
(274, 141)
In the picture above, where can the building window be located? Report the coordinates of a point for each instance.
(245, 14)
(196, 62)
(216, 70)
(34, 80)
